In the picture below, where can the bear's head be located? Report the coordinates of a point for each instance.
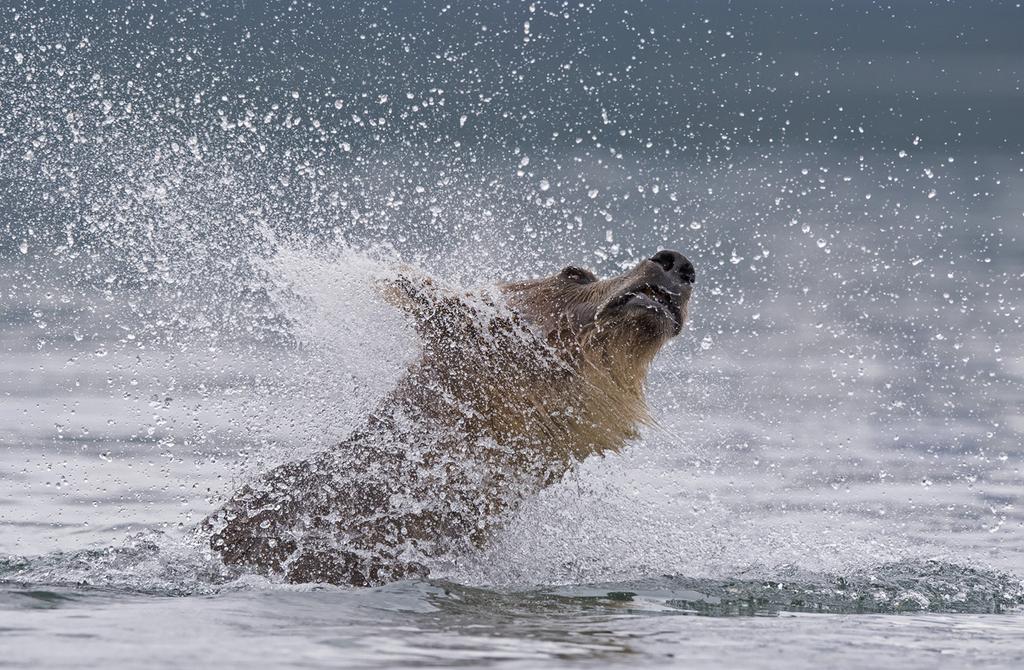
(620, 321)
(560, 372)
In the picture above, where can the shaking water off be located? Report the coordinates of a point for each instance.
(294, 298)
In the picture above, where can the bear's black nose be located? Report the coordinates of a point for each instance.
(675, 263)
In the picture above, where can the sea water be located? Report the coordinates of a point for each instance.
(197, 202)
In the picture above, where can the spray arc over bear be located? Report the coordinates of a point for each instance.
(508, 393)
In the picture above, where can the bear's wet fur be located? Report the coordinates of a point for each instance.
(509, 392)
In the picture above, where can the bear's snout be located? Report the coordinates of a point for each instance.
(676, 264)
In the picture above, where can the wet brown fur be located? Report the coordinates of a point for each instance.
(502, 402)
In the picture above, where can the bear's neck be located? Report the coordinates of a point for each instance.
(522, 411)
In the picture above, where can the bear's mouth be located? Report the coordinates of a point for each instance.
(654, 297)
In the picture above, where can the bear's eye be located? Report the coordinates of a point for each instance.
(578, 275)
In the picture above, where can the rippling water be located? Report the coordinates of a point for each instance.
(754, 624)
(191, 221)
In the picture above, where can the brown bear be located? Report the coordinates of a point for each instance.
(507, 395)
